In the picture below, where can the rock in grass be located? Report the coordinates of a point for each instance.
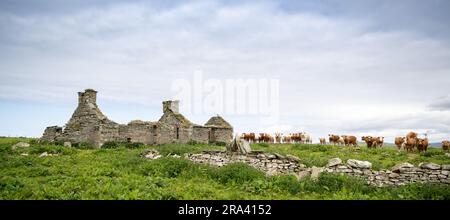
(20, 145)
(315, 172)
(359, 164)
(302, 174)
(151, 154)
(334, 162)
(45, 154)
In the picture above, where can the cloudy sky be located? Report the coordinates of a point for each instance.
(344, 67)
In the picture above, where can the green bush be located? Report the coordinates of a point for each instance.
(111, 145)
(168, 167)
(237, 173)
(288, 183)
(219, 143)
(83, 145)
(192, 142)
(134, 145)
(51, 149)
(432, 153)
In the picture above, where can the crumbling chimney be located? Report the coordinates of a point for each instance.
(88, 96)
(171, 105)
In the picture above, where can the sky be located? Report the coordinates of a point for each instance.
(378, 68)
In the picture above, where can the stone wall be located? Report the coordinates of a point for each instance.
(272, 164)
(398, 175)
(275, 164)
(201, 134)
(51, 133)
(224, 135)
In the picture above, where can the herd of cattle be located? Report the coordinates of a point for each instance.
(409, 143)
(278, 138)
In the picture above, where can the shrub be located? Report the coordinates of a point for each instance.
(219, 143)
(83, 145)
(134, 145)
(192, 142)
(110, 145)
(237, 173)
(168, 167)
(58, 143)
(432, 153)
(288, 183)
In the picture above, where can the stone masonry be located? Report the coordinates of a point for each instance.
(88, 124)
(276, 164)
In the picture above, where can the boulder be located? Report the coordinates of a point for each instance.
(315, 172)
(45, 154)
(400, 167)
(151, 154)
(334, 162)
(67, 144)
(359, 164)
(302, 174)
(20, 145)
(430, 166)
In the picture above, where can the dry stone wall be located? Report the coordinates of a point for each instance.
(276, 164)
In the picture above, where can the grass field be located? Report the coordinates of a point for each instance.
(121, 173)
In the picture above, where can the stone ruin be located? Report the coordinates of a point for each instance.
(89, 125)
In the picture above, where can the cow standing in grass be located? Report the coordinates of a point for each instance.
(322, 141)
(287, 139)
(399, 141)
(422, 144)
(334, 139)
(445, 145)
(411, 141)
(350, 140)
(368, 140)
(378, 141)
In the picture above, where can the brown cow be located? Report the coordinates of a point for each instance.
(323, 141)
(445, 145)
(422, 144)
(368, 140)
(399, 142)
(287, 139)
(411, 135)
(350, 140)
(411, 143)
(378, 141)
(334, 139)
(251, 137)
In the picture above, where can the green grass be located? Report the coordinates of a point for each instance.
(120, 173)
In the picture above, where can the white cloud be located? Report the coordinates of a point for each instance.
(336, 74)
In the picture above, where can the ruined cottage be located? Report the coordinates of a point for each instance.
(89, 125)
